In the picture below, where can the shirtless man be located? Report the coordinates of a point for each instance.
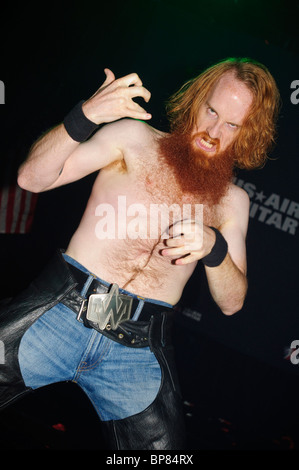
(146, 166)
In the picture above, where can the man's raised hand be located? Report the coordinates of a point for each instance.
(115, 99)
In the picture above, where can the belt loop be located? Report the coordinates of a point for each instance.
(138, 310)
(87, 284)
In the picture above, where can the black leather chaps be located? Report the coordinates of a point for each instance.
(161, 425)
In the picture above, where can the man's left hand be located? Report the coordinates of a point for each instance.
(189, 241)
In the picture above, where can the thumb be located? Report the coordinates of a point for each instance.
(110, 77)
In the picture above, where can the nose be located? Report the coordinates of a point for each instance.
(214, 130)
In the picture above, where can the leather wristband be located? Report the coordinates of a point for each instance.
(218, 252)
(77, 125)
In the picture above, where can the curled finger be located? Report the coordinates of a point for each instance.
(131, 79)
(189, 258)
(178, 251)
(137, 112)
(139, 91)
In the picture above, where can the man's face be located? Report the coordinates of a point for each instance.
(221, 116)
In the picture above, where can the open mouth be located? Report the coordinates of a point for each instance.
(205, 145)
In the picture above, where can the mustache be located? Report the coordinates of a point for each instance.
(204, 135)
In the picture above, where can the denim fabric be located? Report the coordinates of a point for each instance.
(119, 381)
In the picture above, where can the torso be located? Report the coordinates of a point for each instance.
(134, 261)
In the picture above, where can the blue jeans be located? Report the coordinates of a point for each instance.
(119, 381)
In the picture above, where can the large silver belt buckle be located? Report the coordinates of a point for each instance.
(113, 308)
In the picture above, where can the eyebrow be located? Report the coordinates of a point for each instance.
(228, 122)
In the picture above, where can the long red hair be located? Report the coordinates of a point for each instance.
(257, 134)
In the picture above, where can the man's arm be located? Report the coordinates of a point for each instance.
(227, 281)
(56, 159)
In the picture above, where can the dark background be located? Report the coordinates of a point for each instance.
(238, 382)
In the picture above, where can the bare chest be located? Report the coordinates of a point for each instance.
(144, 205)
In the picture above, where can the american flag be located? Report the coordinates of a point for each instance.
(17, 206)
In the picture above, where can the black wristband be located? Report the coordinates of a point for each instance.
(77, 125)
(218, 252)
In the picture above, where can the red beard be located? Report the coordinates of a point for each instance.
(195, 171)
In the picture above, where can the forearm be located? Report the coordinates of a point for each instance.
(228, 286)
(46, 160)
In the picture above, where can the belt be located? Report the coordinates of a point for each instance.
(111, 312)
